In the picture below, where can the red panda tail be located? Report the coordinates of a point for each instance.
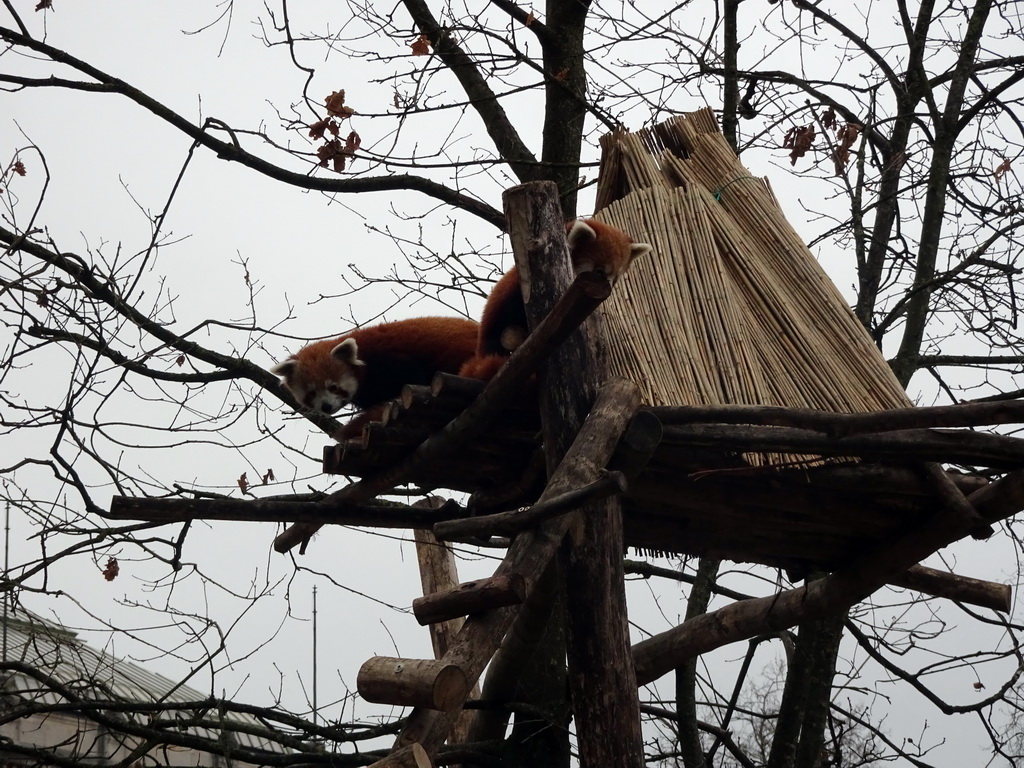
(482, 367)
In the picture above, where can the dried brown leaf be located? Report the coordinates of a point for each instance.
(798, 139)
(335, 104)
(111, 569)
(318, 129)
(1001, 169)
(829, 118)
(421, 46)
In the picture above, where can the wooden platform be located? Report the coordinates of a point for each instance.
(694, 496)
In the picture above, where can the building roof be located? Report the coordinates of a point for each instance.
(78, 670)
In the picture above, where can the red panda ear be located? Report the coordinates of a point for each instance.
(286, 369)
(579, 232)
(347, 352)
(636, 250)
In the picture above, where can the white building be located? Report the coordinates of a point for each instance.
(78, 704)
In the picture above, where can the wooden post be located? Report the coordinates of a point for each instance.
(602, 681)
(438, 575)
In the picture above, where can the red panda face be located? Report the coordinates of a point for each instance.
(322, 376)
(598, 246)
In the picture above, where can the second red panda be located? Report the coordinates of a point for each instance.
(503, 327)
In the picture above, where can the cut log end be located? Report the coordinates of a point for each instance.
(412, 683)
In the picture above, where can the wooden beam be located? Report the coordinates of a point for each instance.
(469, 597)
(379, 514)
(844, 424)
(949, 446)
(412, 683)
(952, 586)
(514, 521)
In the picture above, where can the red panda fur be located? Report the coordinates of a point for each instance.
(592, 245)
(369, 366)
(482, 367)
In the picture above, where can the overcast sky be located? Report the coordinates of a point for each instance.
(111, 165)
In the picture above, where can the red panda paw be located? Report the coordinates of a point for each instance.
(353, 428)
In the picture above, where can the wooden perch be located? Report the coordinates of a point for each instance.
(380, 514)
(585, 294)
(836, 592)
(412, 683)
(469, 598)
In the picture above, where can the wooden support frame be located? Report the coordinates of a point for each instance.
(836, 592)
(529, 554)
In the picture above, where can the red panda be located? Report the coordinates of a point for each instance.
(503, 328)
(368, 366)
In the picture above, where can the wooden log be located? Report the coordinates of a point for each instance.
(531, 551)
(842, 424)
(515, 521)
(446, 387)
(952, 586)
(604, 696)
(950, 446)
(963, 589)
(412, 683)
(457, 392)
(411, 756)
(380, 514)
(638, 444)
(439, 573)
(957, 503)
(469, 598)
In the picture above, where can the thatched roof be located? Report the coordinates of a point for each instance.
(731, 306)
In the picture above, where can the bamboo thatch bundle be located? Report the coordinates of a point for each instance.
(731, 306)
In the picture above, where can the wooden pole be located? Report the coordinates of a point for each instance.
(601, 678)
